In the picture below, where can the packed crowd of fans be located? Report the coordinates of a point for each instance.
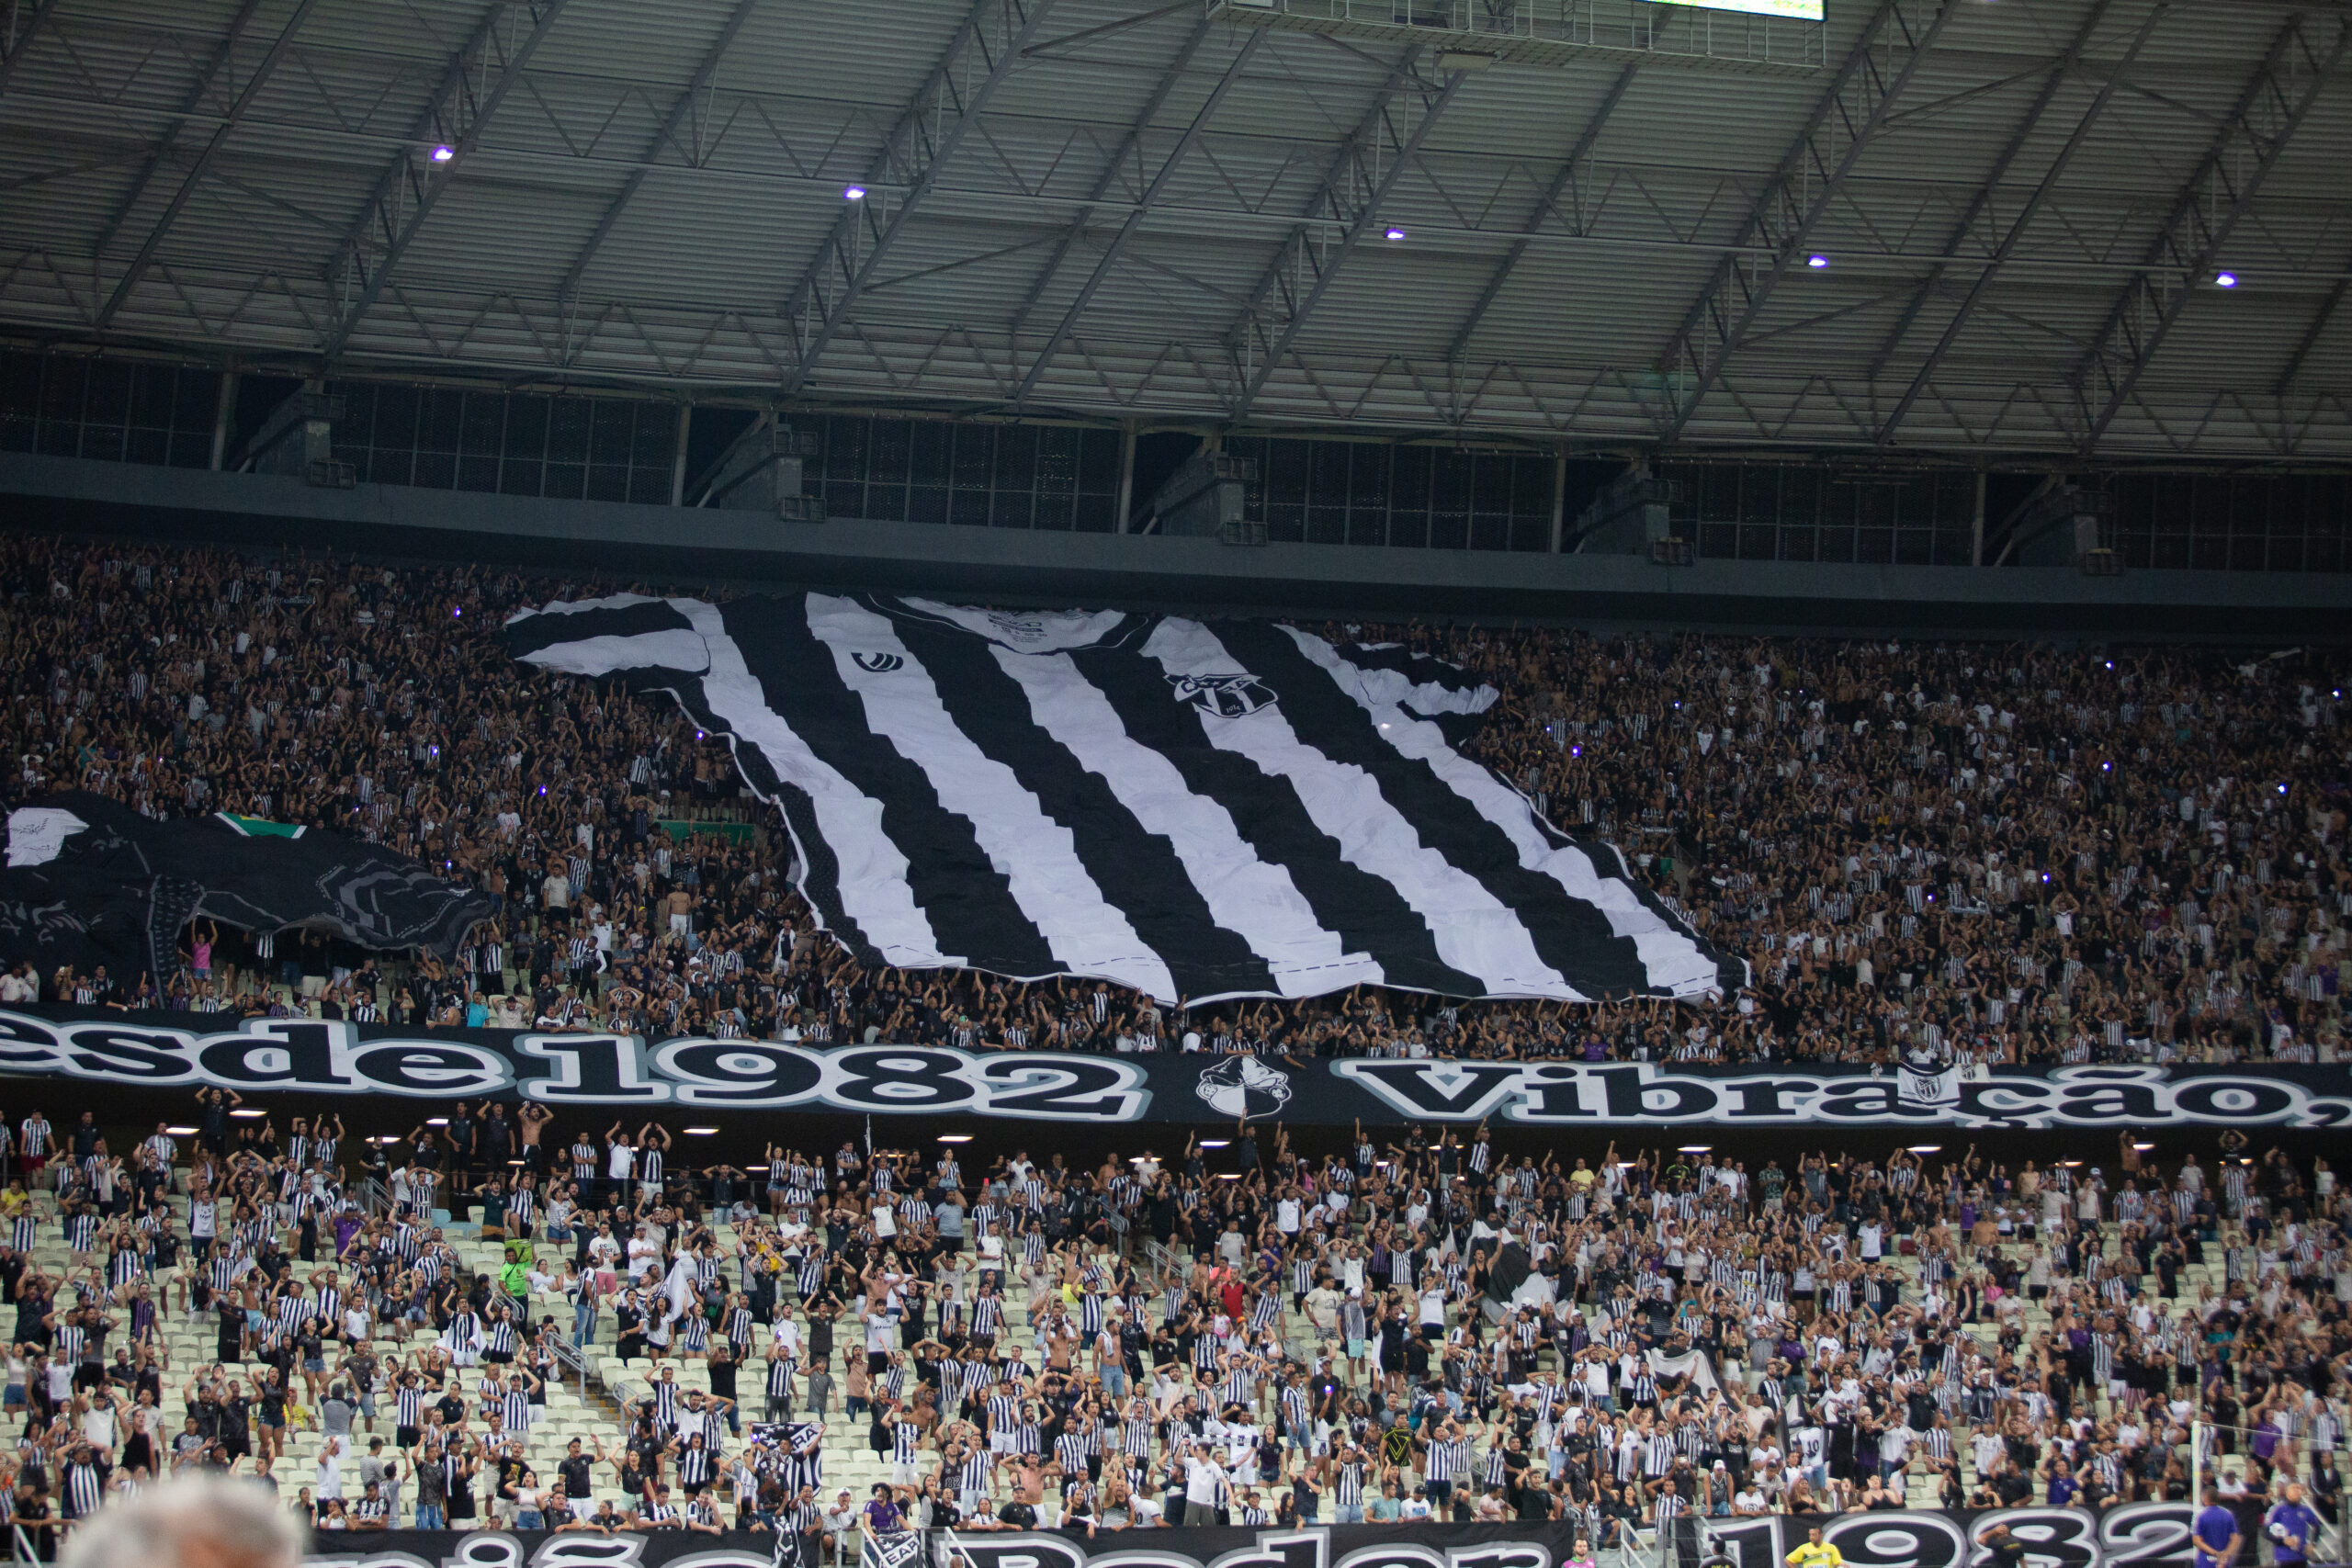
(2005, 852)
(1239, 1333)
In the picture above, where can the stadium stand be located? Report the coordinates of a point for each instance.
(2019, 852)
(1332, 1337)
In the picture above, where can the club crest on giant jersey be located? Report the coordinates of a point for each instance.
(1222, 696)
(1243, 1087)
(877, 664)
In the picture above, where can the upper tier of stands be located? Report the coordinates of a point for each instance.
(2028, 850)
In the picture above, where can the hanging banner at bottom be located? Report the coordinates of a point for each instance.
(2132, 1535)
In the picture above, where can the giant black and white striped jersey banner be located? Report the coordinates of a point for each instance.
(1194, 809)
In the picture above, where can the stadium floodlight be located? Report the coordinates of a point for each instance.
(1396, 233)
(1816, 261)
(443, 153)
(2225, 280)
(853, 193)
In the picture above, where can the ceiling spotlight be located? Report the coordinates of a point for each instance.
(443, 153)
(954, 1137)
(1816, 261)
(2225, 280)
(853, 193)
(1396, 233)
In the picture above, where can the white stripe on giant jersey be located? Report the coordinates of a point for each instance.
(675, 649)
(1035, 855)
(1473, 932)
(1422, 696)
(874, 891)
(1255, 900)
(1675, 962)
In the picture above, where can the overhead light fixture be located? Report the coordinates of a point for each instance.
(1693, 1148)
(181, 1131)
(431, 1121)
(248, 1113)
(853, 193)
(954, 1137)
(1926, 1148)
(2225, 280)
(1816, 261)
(1396, 233)
(2142, 1148)
(1214, 1142)
(443, 153)
(700, 1132)
(1229, 1176)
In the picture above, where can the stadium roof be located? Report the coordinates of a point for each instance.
(1588, 221)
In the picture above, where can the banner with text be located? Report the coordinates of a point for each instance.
(262, 1055)
(2138, 1535)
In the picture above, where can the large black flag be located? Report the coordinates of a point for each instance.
(1192, 809)
(90, 882)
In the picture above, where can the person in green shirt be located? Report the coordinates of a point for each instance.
(515, 1276)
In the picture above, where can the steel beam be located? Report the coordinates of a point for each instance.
(221, 60)
(13, 48)
(1546, 206)
(2309, 340)
(1130, 146)
(671, 126)
(1355, 188)
(179, 204)
(479, 76)
(935, 123)
(2018, 226)
(2181, 258)
(2065, 64)
(1128, 230)
(1810, 177)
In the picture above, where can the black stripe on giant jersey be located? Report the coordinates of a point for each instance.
(1137, 872)
(968, 901)
(1425, 669)
(1569, 934)
(1422, 669)
(1609, 861)
(1369, 915)
(548, 628)
(821, 880)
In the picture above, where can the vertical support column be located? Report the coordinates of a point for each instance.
(1976, 524)
(223, 410)
(1126, 473)
(678, 462)
(1559, 496)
